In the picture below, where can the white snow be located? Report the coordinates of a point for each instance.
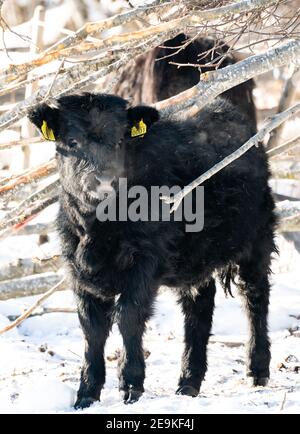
(40, 360)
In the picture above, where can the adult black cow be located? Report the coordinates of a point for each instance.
(155, 75)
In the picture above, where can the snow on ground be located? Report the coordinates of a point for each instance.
(40, 361)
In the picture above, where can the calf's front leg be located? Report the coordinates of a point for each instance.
(95, 317)
(134, 308)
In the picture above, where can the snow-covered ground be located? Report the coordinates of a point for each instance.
(40, 361)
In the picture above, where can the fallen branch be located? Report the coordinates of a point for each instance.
(230, 344)
(31, 175)
(254, 141)
(288, 208)
(287, 174)
(289, 215)
(22, 267)
(37, 229)
(28, 215)
(290, 224)
(11, 218)
(26, 314)
(29, 285)
(45, 310)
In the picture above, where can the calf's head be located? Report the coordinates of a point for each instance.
(91, 131)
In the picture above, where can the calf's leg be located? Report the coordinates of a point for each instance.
(198, 313)
(255, 289)
(134, 308)
(95, 317)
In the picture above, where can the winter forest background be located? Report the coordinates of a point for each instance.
(49, 48)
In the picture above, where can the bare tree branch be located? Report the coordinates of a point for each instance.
(31, 175)
(12, 217)
(77, 77)
(22, 142)
(59, 50)
(214, 83)
(211, 85)
(89, 29)
(286, 100)
(14, 224)
(285, 147)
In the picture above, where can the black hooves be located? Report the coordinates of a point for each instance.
(258, 381)
(131, 396)
(84, 403)
(188, 391)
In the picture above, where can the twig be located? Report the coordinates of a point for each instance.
(291, 144)
(254, 141)
(283, 402)
(33, 307)
(48, 93)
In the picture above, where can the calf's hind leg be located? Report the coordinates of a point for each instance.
(255, 289)
(198, 313)
(95, 317)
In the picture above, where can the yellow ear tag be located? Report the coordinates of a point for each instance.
(140, 130)
(47, 132)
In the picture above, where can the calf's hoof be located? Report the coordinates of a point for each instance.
(188, 391)
(131, 396)
(84, 402)
(258, 381)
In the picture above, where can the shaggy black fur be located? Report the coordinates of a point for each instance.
(116, 268)
(151, 77)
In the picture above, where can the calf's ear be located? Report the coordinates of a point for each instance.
(46, 118)
(149, 115)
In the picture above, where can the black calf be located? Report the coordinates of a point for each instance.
(116, 267)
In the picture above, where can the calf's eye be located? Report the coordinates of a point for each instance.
(72, 143)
